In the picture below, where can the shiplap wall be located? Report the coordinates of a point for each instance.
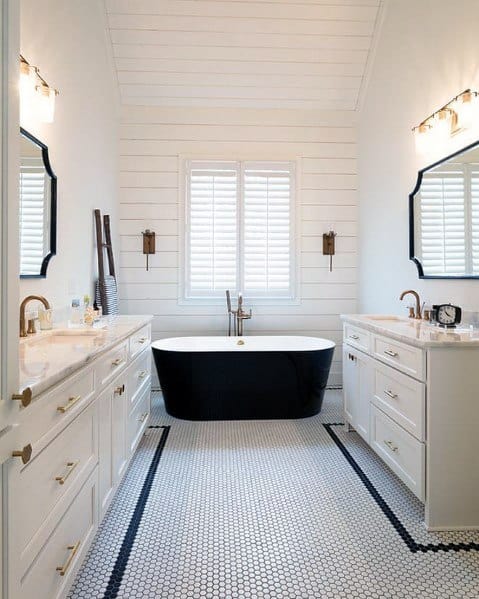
(152, 139)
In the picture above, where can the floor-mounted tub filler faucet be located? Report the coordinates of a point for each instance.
(236, 317)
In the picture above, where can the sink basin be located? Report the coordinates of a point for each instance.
(384, 317)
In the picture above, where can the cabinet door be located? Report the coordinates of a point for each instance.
(105, 484)
(357, 373)
(119, 406)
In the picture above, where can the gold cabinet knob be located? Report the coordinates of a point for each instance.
(120, 389)
(117, 362)
(25, 453)
(62, 570)
(25, 397)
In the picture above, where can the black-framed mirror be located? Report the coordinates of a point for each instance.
(37, 207)
(444, 217)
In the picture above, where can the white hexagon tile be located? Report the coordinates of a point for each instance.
(269, 510)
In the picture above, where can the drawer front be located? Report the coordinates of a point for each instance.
(112, 363)
(357, 337)
(138, 421)
(140, 340)
(404, 454)
(52, 572)
(139, 376)
(404, 357)
(401, 398)
(42, 483)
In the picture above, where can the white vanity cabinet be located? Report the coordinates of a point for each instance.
(410, 391)
(81, 435)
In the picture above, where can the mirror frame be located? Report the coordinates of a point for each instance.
(412, 195)
(53, 206)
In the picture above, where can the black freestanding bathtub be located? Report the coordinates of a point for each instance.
(231, 378)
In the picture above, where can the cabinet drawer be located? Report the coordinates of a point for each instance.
(55, 409)
(52, 572)
(401, 398)
(138, 421)
(404, 454)
(403, 357)
(112, 363)
(357, 337)
(139, 376)
(140, 340)
(45, 480)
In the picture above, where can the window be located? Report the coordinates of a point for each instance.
(449, 220)
(239, 229)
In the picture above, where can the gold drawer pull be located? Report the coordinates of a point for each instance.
(25, 397)
(71, 467)
(62, 570)
(390, 352)
(120, 389)
(143, 417)
(142, 374)
(25, 453)
(117, 362)
(390, 394)
(71, 402)
(142, 339)
(391, 446)
(355, 337)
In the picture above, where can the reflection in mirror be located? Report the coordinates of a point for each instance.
(444, 217)
(37, 208)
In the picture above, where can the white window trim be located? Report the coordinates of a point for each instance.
(295, 300)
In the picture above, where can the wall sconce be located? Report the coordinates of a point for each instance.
(329, 246)
(149, 243)
(459, 113)
(37, 98)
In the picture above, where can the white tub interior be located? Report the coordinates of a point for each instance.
(256, 343)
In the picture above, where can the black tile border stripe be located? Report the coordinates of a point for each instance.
(121, 562)
(413, 546)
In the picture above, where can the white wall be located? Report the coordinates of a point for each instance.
(427, 53)
(153, 138)
(67, 40)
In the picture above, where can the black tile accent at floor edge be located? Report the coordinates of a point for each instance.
(121, 562)
(413, 546)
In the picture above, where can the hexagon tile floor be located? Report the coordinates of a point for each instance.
(269, 510)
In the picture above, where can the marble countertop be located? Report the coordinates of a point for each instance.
(50, 356)
(419, 333)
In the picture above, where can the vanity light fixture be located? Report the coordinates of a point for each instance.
(37, 98)
(459, 113)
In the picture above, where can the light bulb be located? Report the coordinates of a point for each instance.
(422, 137)
(46, 103)
(28, 81)
(467, 109)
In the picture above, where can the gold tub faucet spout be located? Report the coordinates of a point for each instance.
(418, 311)
(23, 305)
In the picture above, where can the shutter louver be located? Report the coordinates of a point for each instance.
(32, 216)
(267, 217)
(212, 228)
(474, 183)
(442, 222)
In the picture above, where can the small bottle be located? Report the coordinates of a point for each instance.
(75, 313)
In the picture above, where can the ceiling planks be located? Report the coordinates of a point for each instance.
(305, 54)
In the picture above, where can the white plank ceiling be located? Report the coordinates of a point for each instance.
(306, 54)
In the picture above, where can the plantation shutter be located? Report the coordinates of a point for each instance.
(474, 187)
(239, 232)
(443, 222)
(267, 229)
(32, 215)
(212, 228)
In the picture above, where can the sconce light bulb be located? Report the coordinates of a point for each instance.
(422, 137)
(47, 103)
(467, 108)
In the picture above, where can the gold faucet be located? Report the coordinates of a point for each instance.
(417, 314)
(29, 298)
